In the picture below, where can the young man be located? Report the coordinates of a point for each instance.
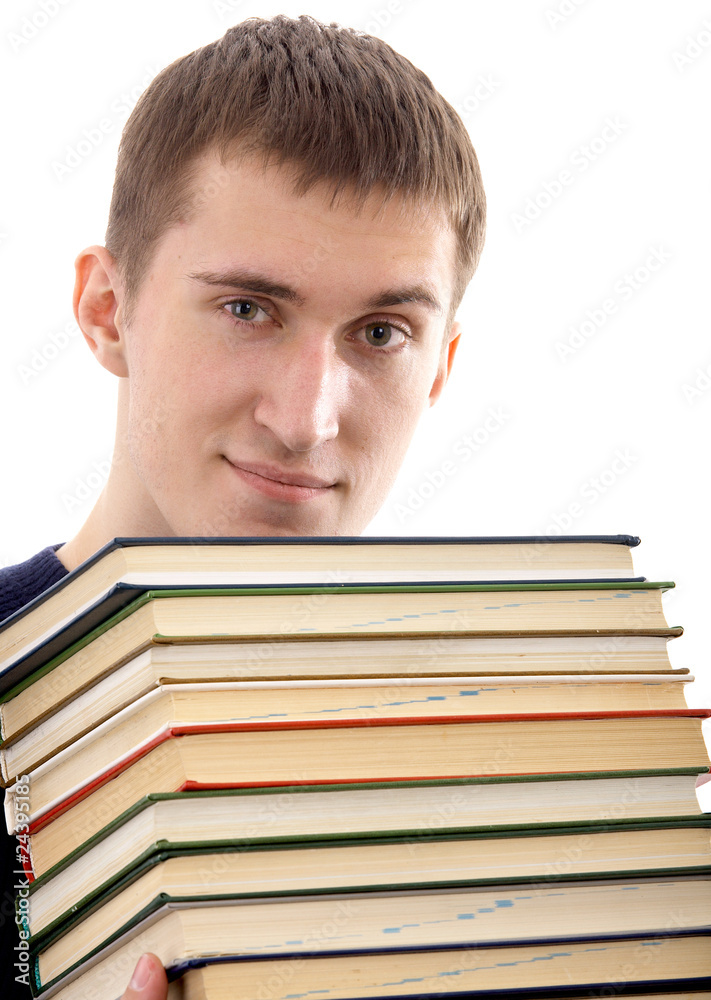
(296, 215)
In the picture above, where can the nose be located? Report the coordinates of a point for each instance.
(301, 404)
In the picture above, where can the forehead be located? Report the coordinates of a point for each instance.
(243, 208)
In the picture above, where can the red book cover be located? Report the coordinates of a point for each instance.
(178, 731)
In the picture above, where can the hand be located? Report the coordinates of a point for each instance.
(149, 981)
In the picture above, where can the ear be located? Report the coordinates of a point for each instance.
(445, 364)
(97, 295)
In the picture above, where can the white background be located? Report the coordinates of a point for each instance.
(538, 84)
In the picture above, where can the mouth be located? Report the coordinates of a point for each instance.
(280, 484)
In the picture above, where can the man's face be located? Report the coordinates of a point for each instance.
(280, 354)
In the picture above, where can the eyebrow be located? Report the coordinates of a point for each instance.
(420, 294)
(251, 281)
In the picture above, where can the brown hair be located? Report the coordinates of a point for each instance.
(338, 105)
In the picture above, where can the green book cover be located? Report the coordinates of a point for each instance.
(353, 788)
(31, 667)
(163, 850)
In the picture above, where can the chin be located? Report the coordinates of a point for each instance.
(283, 526)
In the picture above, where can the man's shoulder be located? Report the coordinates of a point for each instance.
(24, 581)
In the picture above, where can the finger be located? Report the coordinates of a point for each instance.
(149, 981)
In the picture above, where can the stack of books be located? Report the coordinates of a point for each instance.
(356, 768)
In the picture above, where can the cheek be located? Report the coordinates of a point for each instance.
(386, 427)
(186, 391)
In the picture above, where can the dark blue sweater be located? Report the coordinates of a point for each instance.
(25, 580)
(19, 584)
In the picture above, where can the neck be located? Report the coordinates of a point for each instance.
(122, 511)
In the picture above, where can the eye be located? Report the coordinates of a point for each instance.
(244, 309)
(383, 335)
